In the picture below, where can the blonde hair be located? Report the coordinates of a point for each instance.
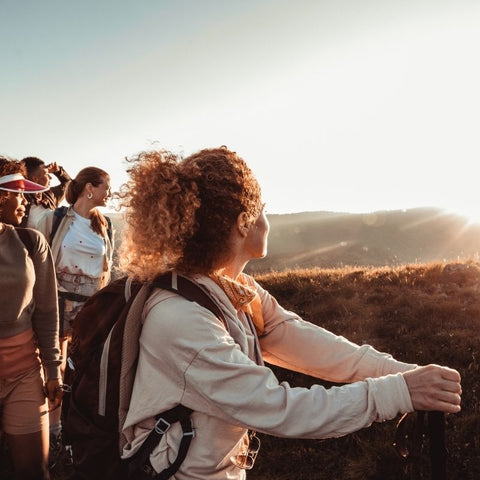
(180, 212)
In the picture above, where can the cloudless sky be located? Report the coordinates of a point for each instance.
(340, 105)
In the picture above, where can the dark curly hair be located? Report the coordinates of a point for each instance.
(180, 212)
(9, 166)
(31, 164)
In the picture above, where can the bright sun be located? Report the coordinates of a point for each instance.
(470, 212)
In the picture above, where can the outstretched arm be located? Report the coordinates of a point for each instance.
(290, 342)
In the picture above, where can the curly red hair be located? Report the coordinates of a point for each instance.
(180, 212)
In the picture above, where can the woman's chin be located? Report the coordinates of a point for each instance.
(17, 220)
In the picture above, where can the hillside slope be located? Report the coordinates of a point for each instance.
(330, 240)
(325, 239)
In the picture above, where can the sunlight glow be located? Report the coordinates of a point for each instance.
(471, 212)
(335, 107)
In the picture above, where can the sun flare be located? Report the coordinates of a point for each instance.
(471, 213)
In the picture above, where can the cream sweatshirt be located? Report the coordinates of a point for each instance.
(187, 356)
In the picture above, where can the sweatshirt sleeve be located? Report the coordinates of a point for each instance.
(292, 343)
(218, 379)
(45, 320)
(58, 192)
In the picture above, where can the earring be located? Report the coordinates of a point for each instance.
(90, 196)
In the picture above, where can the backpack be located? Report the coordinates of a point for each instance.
(58, 215)
(101, 370)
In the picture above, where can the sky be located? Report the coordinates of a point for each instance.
(337, 105)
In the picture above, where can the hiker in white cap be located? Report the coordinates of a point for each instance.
(29, 345)
(204, 217)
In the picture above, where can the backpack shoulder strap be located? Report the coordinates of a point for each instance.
(58, 214)
(109, 228)
(190, 290)
(140, 461)
(26, 239)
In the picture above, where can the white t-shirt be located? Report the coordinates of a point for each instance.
(82, 250)
(36, 212)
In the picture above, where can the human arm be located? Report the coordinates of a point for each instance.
(295, 342)
(45, 320)
(55, 169)
(202, 367)
(58, 191)
(54, 392)
(292, 343)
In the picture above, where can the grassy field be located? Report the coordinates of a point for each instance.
(421, 313)
(425, 313)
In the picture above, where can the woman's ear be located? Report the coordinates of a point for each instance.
(243, 224)
(88, 189)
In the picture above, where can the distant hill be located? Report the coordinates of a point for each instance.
(384, 238)
(326, 239)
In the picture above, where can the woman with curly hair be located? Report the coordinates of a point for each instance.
(82, 249)
(29, 344)
(203, 217)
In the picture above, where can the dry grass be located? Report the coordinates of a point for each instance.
(423, 313)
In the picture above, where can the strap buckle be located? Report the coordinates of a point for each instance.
(162, 426)
(190, 432)
(70, 363)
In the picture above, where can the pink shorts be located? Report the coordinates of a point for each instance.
(23, 405)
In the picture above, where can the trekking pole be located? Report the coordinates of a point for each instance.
(438, 452)
(409, 444)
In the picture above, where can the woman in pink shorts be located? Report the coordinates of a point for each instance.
(29, 347)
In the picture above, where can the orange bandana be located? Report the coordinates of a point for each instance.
(243, 295)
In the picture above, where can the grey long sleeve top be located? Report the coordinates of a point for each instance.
(28, 295)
